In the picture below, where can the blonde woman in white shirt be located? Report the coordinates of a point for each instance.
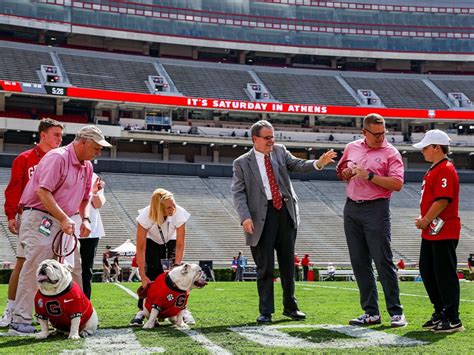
(161, 235)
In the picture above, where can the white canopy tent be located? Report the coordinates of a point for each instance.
(126, 249)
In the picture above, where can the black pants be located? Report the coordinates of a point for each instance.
(305, 273)
(438, 263)
(154, 252)
(278, 234)
(367, 228)
(88, 251)
(297, 273)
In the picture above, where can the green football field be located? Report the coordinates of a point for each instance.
(225, 314)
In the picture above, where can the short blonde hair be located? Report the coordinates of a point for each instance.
(157, 213)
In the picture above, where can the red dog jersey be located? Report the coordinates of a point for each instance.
(442, 182)
(60, 309)
(166, 297)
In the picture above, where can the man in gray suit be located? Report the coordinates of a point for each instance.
(267, 207)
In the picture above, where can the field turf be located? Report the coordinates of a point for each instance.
(221, 306)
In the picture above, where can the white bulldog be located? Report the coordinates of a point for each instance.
(62, 302)
(167, 296)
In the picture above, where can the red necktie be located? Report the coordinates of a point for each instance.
(276, 196)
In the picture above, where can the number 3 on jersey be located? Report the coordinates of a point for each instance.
(444, 182)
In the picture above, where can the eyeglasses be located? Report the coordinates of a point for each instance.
(267, 138)
(376, 135)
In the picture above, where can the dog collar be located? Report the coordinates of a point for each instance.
(172, 285)
(66, 290)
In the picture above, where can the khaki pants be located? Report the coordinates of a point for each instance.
(37, 247)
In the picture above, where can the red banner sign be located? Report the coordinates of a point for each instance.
(237, 105)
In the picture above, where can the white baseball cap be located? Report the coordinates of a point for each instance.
(435, 136)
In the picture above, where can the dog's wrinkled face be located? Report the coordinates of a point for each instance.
(188, 276)
(52, 277)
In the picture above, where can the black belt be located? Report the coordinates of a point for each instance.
(34, 209)
(365, 201)
(40, 210)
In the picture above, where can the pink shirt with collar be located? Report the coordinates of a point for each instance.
(384, 161)
(61, 173)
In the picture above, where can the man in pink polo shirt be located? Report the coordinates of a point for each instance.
(58, 190)
(373, 169)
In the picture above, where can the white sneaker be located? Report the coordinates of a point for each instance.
(366, 319)
(21, 329)
(6, 318)
(398, 320)
(188, 317)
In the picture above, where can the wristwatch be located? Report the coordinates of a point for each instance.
(86, 219)
(371, 176)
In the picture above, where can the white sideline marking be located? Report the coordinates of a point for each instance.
(193, 334)
(272, 337)
(380, 292)
(201, 339)
(113, 341)
(130, 292)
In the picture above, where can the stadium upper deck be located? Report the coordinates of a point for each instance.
(379, 26)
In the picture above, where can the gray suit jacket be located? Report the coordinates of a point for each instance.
(250, 200)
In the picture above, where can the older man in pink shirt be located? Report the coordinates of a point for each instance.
(373, 169)
(58, 190)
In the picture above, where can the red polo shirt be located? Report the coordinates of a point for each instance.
(441, 181)
(22, 169)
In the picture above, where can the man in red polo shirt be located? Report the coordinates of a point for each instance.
(305, 262)
(50, 133)
(440, 227)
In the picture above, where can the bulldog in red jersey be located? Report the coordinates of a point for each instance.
(167, 296)
(62, 302)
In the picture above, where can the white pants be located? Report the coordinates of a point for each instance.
(135, 271)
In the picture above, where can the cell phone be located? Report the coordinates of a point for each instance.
(435, 226)
(99, 179)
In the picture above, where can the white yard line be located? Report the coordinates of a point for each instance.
(130, 292)
(193, 334)
(380, 292)
(271, 336)
(205, 342)
(113, 341)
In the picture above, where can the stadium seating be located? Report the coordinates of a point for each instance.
(98, 70)
(214, 231)
(7, 240)
(399, 93)
(451, 85)
(306, 89)
(22, 64)
(210, 82)
(107, 74)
